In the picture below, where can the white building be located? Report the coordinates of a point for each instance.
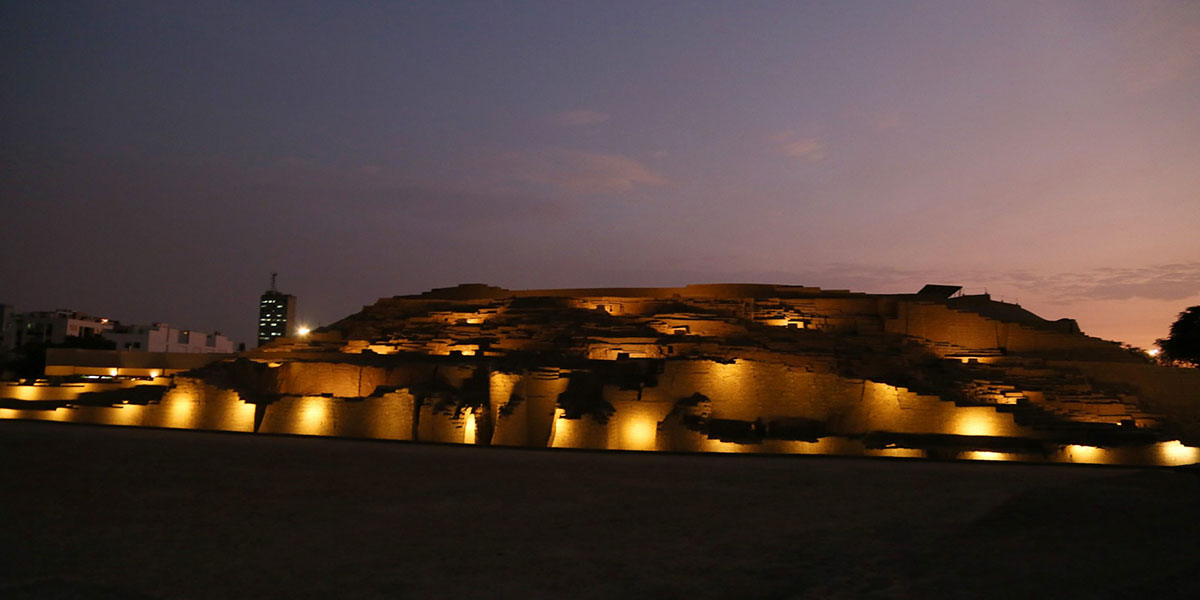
(54, 327)
(161, 337)
(49, 327)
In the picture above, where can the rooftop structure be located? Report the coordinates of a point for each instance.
(161, 337)
(49, 326)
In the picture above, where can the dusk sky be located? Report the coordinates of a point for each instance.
(159, 160)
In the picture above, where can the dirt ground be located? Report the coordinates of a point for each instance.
(113, 513)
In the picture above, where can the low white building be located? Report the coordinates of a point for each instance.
(161, 337)
(49, 327)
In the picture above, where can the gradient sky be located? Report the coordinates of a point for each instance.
(158, 160)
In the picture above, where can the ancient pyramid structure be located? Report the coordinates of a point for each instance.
(729, 367)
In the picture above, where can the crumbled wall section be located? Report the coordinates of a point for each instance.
(956, 331)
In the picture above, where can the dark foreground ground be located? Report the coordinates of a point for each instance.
(94, 512)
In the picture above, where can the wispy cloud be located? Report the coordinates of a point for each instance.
(294, 162)
(372, 189)
(1174, 281)
(467, 207)
(1162, 46)
(584, 172)
(578, 117)
(789, 143)
(888, 120)
(1168, 282)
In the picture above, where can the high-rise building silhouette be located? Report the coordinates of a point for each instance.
(276, 314)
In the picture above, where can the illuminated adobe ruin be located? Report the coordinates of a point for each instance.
(730, 368)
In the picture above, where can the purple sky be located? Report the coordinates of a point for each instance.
(158, 160)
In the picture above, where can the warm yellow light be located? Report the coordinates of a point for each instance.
(1084, 454)
(563, 434)
(900, 452)
(975, 420)
(825, 445)
(1153, 351)
(713, 445)
(640, 434)
(23, 392)
(59, 414)
(469, 428)
(1175, 453)
(126, 414)
(154, 373)
(180, 411)
(986, 455)
(112, 372)
(312, 414)
(303, 331)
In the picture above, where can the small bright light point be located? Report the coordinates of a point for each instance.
(303, 331)
(1152, 352)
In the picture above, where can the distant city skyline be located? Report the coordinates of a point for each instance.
(158, 160)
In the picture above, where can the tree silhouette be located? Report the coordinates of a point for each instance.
(1183, 344)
